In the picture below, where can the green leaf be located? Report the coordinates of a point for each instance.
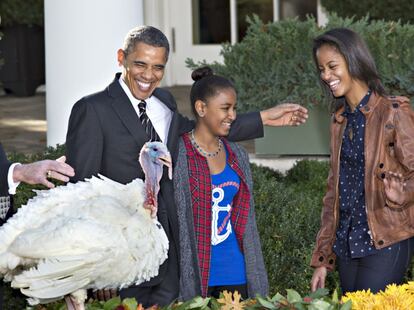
(112, 303)
(346, 306)
(131, 303)
(319, 293)
(265, 303)
(182, 306)
(277, 298)
(335, 297)
(300, 306)
(93, 306)
(214, 304)
(293, 296)
(199, 303)
(320, 305)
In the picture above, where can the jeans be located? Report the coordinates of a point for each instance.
(376, 271)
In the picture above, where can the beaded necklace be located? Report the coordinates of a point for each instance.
(201, 151)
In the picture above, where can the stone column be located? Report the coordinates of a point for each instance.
(81, 39)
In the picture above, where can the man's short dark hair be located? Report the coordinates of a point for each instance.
(148, 35)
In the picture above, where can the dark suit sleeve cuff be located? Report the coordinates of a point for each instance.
(247, 126)
(4, 185)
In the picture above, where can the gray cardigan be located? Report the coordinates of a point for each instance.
(190, 281)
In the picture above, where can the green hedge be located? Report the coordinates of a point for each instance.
(288, 212)
(391, 10)
(273, 63)
(21, 12)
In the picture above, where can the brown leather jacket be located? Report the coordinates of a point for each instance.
(389, 146)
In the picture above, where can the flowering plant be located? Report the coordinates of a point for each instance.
(394, 297)
(318, 300)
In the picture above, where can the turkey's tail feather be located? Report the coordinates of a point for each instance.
(55, 278)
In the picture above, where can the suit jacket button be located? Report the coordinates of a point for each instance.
(331, 261)
(382, 175)
(381, 165)
(381, 242)
(395, 105)
(321, 258)
(391, 144)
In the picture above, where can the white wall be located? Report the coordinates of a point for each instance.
(82, 37)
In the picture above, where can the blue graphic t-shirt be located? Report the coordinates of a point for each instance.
(227, 262)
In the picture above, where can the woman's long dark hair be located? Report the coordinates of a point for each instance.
(361, 65)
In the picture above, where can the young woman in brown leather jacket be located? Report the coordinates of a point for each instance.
(367, 221)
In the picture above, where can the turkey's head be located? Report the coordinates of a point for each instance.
(153, 157)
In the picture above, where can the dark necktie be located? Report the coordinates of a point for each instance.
(146, 122)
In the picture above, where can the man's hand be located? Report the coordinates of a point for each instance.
(39, 172)
(286, 114)
(318, 278)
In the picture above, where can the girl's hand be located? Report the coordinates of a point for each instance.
(318, 278)
(394, 187)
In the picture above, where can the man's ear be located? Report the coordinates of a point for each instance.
(121, 57)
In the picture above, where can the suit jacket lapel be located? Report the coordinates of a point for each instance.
(122, 106)
(126, 112)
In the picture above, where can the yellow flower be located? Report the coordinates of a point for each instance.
(395, 297)
(361, 300)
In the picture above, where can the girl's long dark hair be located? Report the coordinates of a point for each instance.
(361, 65)
(206, 85)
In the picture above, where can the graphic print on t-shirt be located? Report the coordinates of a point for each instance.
(227, 262)
(217, 227)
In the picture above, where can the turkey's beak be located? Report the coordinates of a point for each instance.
(166, 160)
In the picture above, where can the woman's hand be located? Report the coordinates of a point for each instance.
(318, 278)
(394, 187)
(286, 114)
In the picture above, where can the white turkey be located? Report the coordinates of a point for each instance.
(89, 235)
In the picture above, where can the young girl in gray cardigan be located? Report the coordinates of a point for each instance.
(219, 242)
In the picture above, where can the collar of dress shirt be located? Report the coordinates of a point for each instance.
(159, 114)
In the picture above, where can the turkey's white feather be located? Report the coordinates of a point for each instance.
(93, 234)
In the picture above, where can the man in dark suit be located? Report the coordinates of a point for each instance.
(108, 129)
(34, 173)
